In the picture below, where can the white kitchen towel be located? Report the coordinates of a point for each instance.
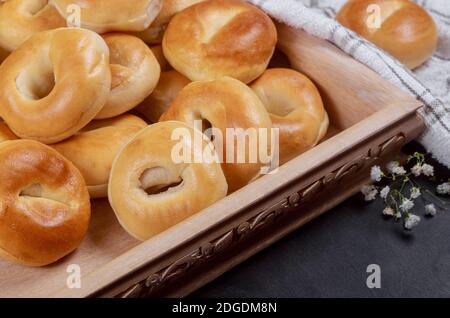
(430, 83)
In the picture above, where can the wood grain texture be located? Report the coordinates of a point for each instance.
(365, 111)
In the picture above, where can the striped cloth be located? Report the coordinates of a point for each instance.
(430, 83)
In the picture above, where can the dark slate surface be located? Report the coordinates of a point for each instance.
(329, 257)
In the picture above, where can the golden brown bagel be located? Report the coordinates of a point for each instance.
(104, 16)
(221, 104)
(93, 149)
(169, 86)
(220, 38)
(154, 33)
(406, 30)
(44, 204)
(295, 107)
(135, 72)
(150, 191)
(20, 19)
(54, 84)
(158, 52)
(6, 133)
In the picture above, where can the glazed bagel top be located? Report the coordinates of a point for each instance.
(150, 190)
(220, 38)
(406, 30)
(44, 203)
(112, 15)
(54, 84)
(221, 104)
(154, 33)
(93, 149)
(20, 19)
(295, 107)
(135, 72)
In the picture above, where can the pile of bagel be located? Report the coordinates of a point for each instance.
(88, 112)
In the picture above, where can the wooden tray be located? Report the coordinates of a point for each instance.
(371, 119)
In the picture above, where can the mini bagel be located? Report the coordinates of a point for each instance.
(135, 73)
(93, 149)
(219, 38)
(20, 19)
(104, 16)
(6, 133)
(44, 204)
(406, 30)
(145, 168)
(169, 86)
(54, 84)
(295, 107)
(224, 104)
(154, 33)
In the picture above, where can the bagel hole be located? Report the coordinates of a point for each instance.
(45, 88)
(34, 190)
(158, 180)
(280, 106)
(34, 84)
(157, 189)
(38, 191)
(207, 129)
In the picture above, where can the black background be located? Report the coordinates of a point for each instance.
(329, 256)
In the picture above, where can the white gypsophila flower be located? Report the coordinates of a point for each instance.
(376, 174)
(389, 211)
(384, 192)
(406, 205)
(443, 188)
(398, 215)
(415, 193)
(399, 171)
(392, 165)
(366, 189)
(416, 170)
(370, 192)
(428, 170)
(371, 196)
(430, 209)
(411, 221)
